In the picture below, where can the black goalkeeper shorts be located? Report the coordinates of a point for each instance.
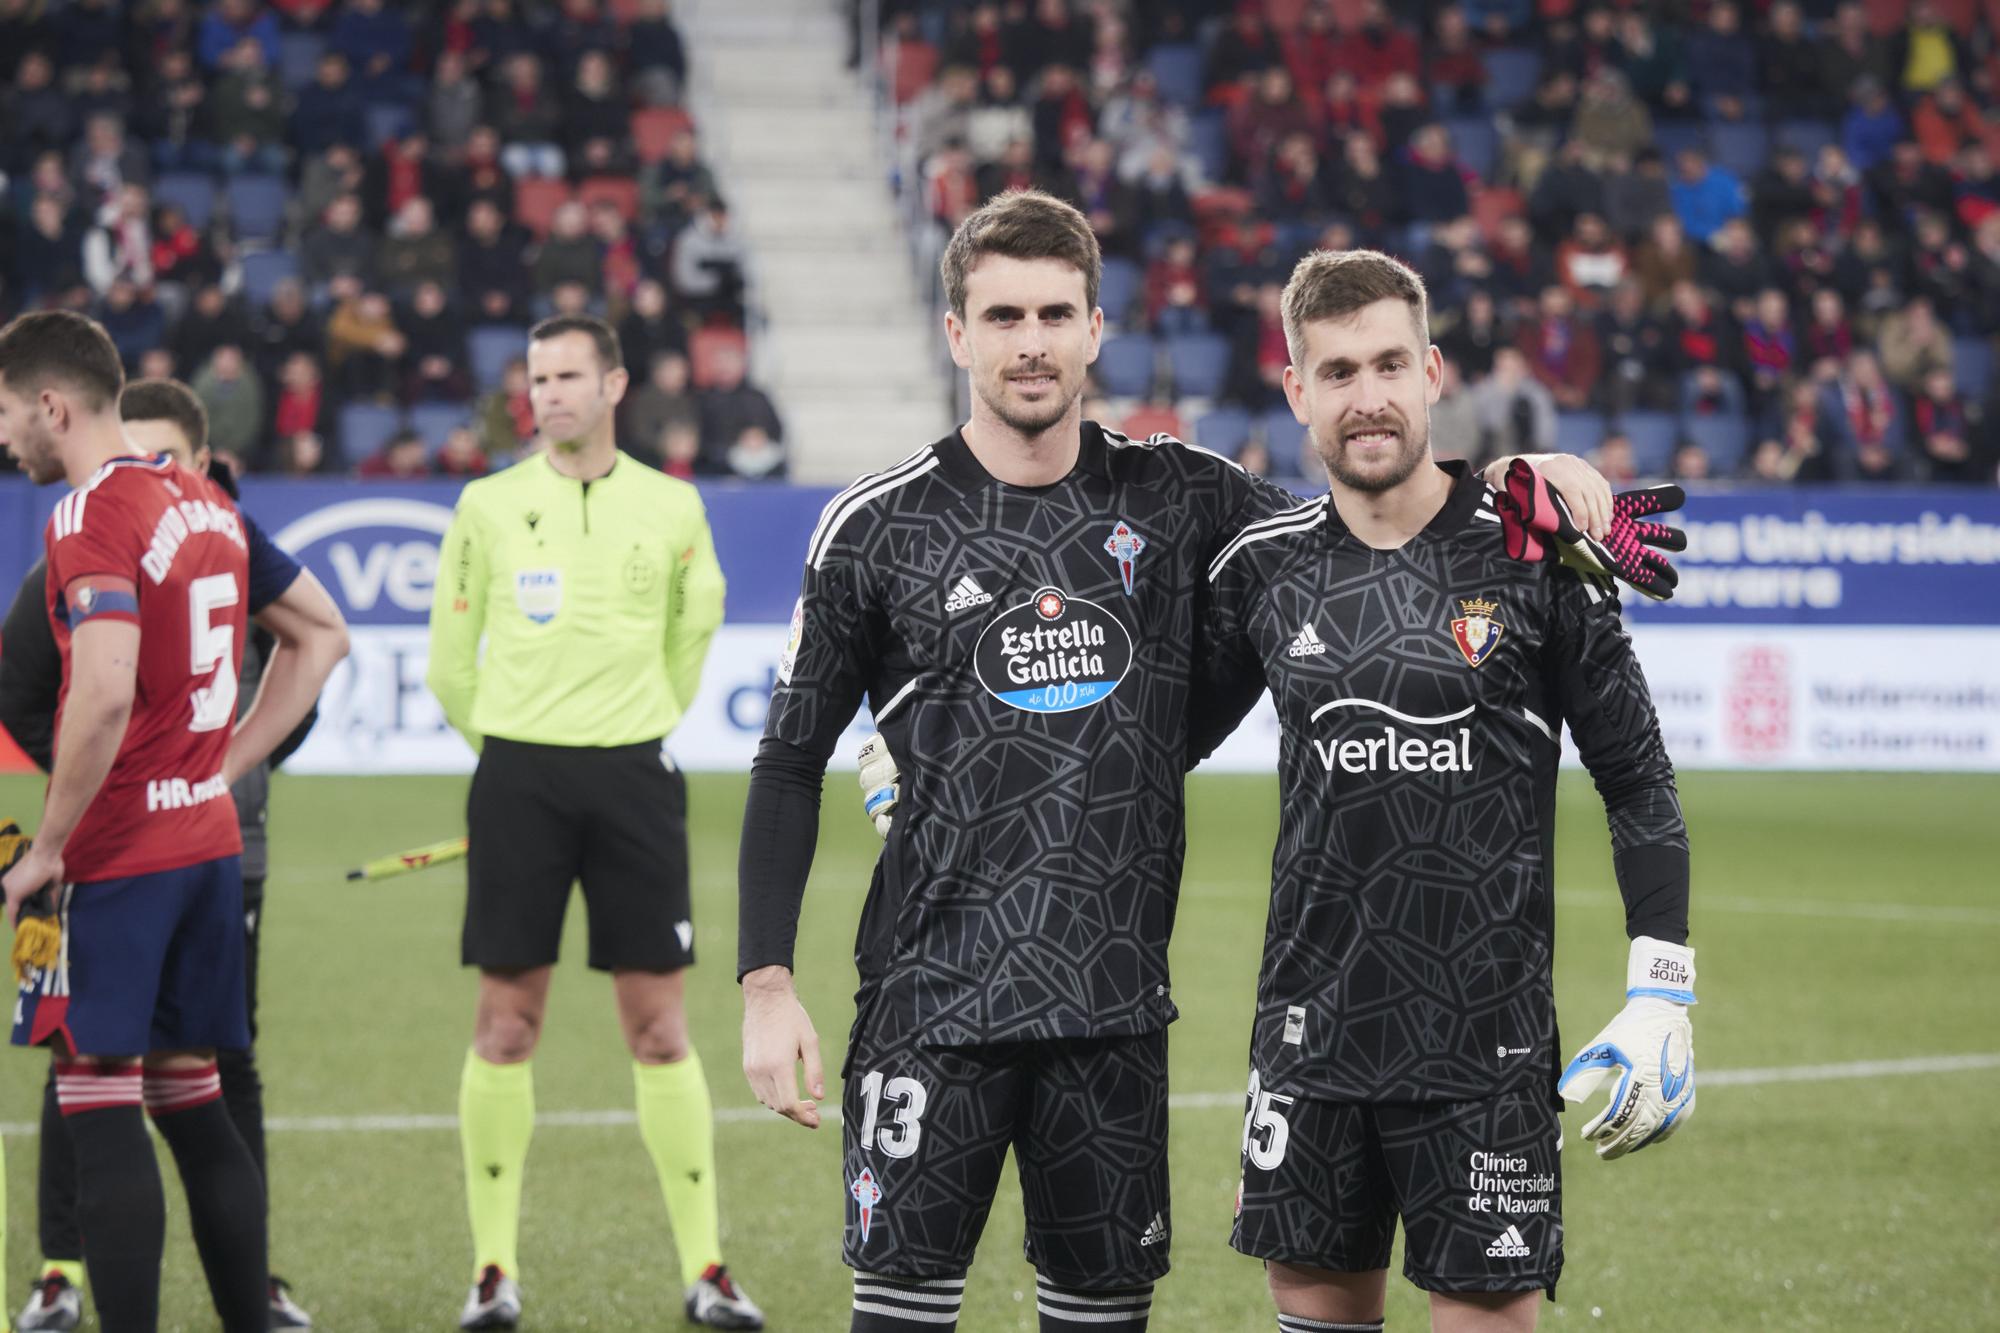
(1477, 1184)
(926, 1132)
(542, 817)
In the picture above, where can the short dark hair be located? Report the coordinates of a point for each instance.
(1332, 284)
(1022, 224)
(167, 400)
(61, 345)
(609, 354)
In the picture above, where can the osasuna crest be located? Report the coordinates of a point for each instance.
(1477, 632)
(866, 1193)
(1124, 546)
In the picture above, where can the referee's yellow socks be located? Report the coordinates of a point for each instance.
(496, 1118)
(678, 1125)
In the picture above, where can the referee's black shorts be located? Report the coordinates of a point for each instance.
(541, 817)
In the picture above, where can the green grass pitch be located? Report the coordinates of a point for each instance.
(1839, 919)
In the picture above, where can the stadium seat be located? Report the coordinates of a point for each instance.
(1224, 430)
(1671, 136)
(489, 347)
(1199, 362)
(257, 207)
(654, 128)
(703, 348)
(1475, 143)
(192, 192)
(434, 421)
(1653, 436)
(1808, 136)
(1723, 436)
(1284, 441)
(298, 58)
(1742, 147)
(1511, 75)
(263, 270)
(1972, 366)
(1118, 291)
(1176, 68)
(621, 192)
(387, 122)
(536, 200)
(1579, 432)
(365, 428)
(1208, 140)
(1125, 365)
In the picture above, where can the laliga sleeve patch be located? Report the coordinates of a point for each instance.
(790, 657)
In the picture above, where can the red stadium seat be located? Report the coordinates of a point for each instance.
(1285, 15)
(536, 200)
(654, 128)
(914, 63)
(1886, 17)
(702, 349)
(620, 191)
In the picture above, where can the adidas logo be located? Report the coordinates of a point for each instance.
(1155, 1232)
(1307, 644)
(966, 594)
(1508, 1245)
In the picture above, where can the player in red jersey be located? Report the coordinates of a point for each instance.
(138, 843)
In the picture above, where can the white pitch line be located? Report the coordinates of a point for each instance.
(1180, 1101)
(1918, 913)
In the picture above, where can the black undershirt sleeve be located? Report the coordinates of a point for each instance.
(30, 670)
(780, 834)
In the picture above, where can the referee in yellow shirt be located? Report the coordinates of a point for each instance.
(593, 580)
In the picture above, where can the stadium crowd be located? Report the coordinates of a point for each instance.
(1701, 238)
(338, 220)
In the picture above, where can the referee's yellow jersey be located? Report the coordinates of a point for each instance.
(597, 601)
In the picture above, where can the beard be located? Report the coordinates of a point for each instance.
(1384, 474)
(34, 448)
(1033, 418)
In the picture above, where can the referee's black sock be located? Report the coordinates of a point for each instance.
(1065, 1309)
(906, 1304)
(1298, 1323)
(225, 1194)
(118, 1197)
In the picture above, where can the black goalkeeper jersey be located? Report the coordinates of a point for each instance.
(1422, 692)
(1027, 654)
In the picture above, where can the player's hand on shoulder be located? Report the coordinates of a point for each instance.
(777, 1037)
(881, 782)
(1539, 522)
(1645, 1054)
(1582, 487)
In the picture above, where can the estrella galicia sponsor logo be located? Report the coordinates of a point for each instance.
(1392, 751)
(1053, 654)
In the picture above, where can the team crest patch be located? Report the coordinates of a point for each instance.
(539, 594)
(867, 1194)
(1124, 546)
(1476, 632)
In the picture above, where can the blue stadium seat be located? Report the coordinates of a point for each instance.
(1224, 430)
(298, 58)
(1284, 441)
(1972, 366)
(1653, 436)
(1741, 147)
(387, 121)
(1475, 143)
(1808, 136)
(1579, 432)
(1723, 436)
(1208, 140)
(263, 270)
(1200, 362)
(1511, 75)
(366, 427)
(490, 347)
(257, 207)
(1176, 68)
(1671, 136)
(1125, 365)
(1118, 291)
(192, 192)
(434, 421)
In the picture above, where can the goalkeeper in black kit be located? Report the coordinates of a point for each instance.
(1423, 661)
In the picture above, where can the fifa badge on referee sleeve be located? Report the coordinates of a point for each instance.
(1124, 546)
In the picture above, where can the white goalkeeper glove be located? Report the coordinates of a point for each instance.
(1648, 1048)
(881, 782)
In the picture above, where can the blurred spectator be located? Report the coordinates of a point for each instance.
(570, 254)
(301, 455)
(1722, 64)
(1912, 344)
(1455, 431)
(618, 263)
(1907, 184)
(708, 263)
(1610, 119)
(1516, 414)
(1433, 181)
(105, 161)
(402, 457)
(1770, 348)
(454, 103)
(1139, 123)
(1561, 350)
(1848, 52)
(741, 435)
(1107, 202)
(338, 247)
(210, 320)
(1591, 261)
(481, 175)
(492, 266)
(132, 318)
(364, 348)
(1836, 195)
(1690, 464)
(1175, 302)
(173, 115)
(1244, 47)
(1941, 418)
(120, 246)
(1700, 334)
(37, 115)
(415, 251)
(527, 117)
(1654, 61)
(595, 116)
(303, 405)
(460, 455)
(654, 50)
(408, 169)
(1663, 260)
(335, 171)
(1788, 64)
(1378, 48)
(181, 256)
(1871, 127)
(1160, 193)
(1261, 122)
(375, 38)
(1615, 459)
(671, 189)
(999, 119)
(1927, 51)
(1568, 187)
(328, 110)
(505, 417)
(229, 22)
(1453, 65)
(1734, 269)
(282, 329)
(1705, 194)
(434, 359)
(247, 112)
(1635, 350)
(234, 397)
(651, 326)
(1158, 416)
(952, 191)
(1944, 122)
(1862, 428)
(662, 399)
(1636, 192)
(1829, 337)
(1473, 340)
